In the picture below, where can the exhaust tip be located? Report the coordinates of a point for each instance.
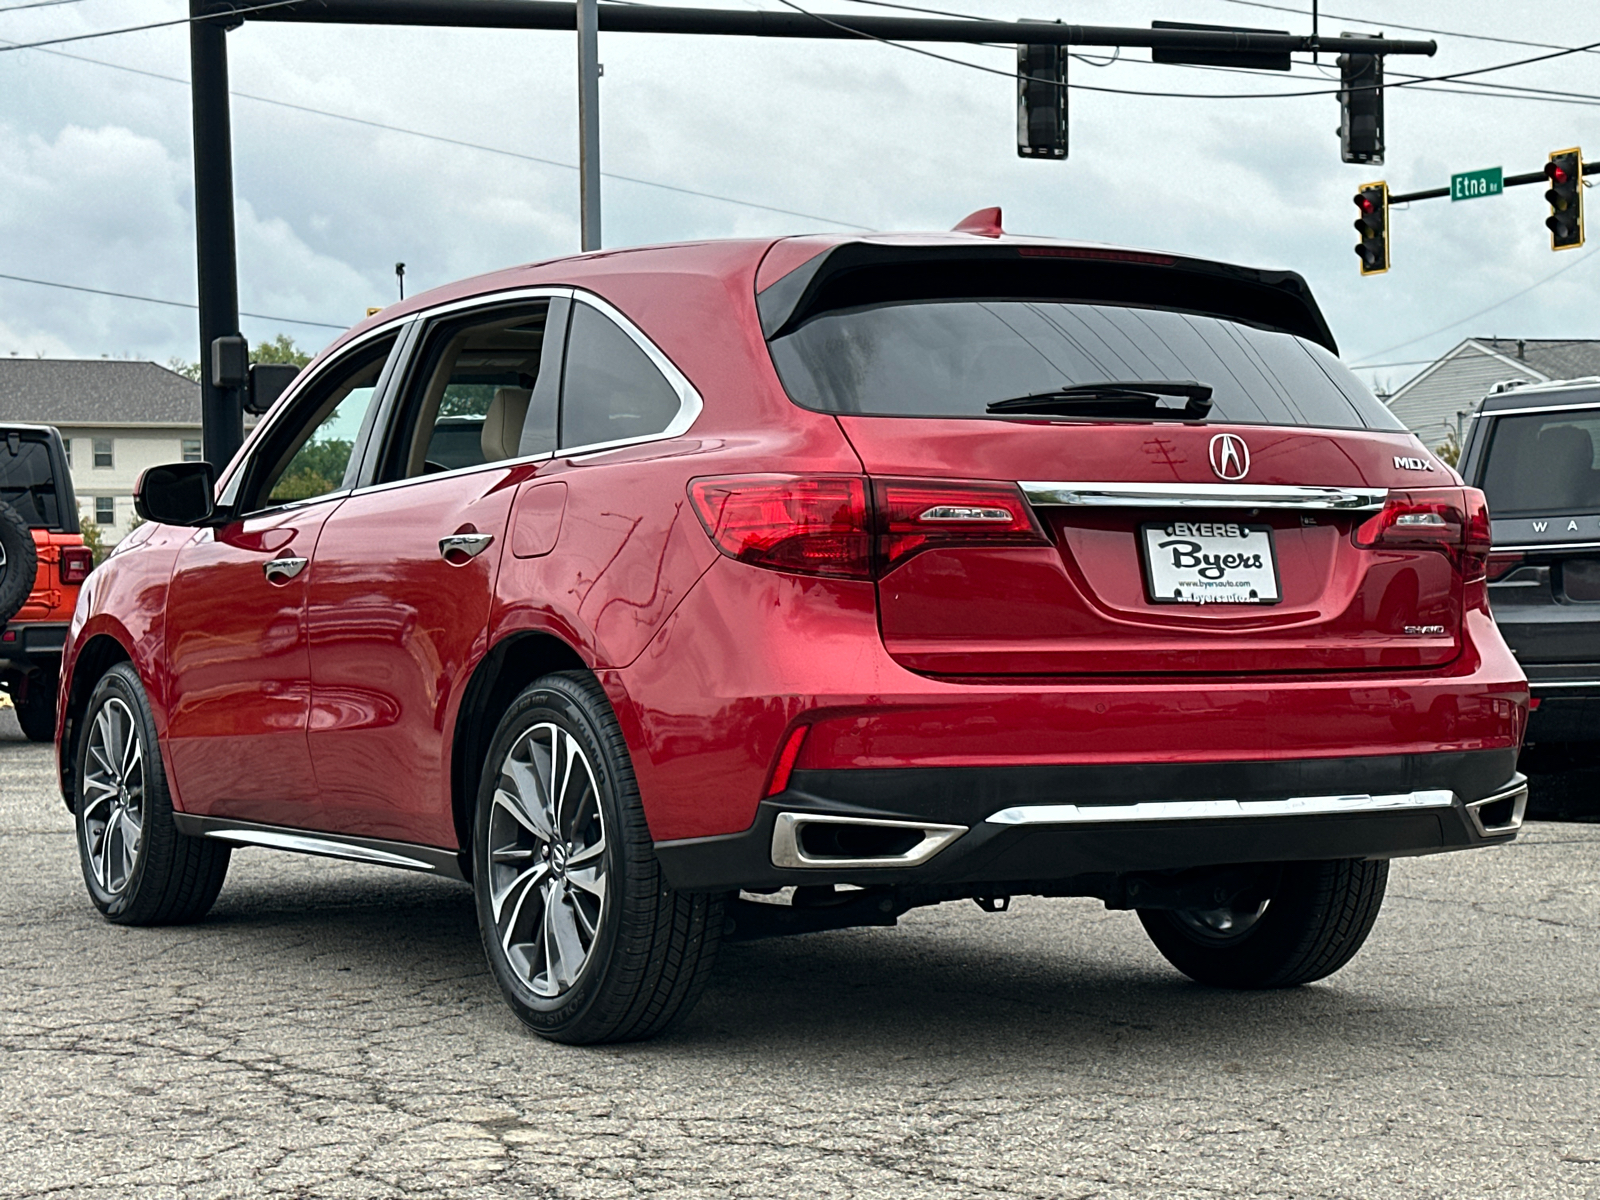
(810, 841)
(1501, 813)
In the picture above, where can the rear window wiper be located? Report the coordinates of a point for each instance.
(1139, 398)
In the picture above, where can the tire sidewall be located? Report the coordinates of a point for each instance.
(121, 683)
(557, 701)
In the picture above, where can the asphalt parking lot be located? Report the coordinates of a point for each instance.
(331, 1031)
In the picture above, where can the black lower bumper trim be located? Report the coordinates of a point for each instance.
(1041, 857)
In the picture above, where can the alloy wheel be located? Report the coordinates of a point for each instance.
(547, 859)
(113, 812)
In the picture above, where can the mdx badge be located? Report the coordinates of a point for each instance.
(1412, 464)
(1230, 457)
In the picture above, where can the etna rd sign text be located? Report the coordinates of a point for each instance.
(1470, 185)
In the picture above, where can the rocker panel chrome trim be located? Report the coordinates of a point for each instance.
(431, 859)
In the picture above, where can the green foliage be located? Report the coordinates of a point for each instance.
(93, 539)
(280, 349)
(466, 400)
(1449, 450)
(188, 370)
(316, 469)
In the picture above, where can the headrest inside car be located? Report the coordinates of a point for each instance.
(502, 425)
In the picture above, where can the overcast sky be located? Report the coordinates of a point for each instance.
(96, 185)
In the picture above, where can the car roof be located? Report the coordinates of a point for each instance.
(756, 264)
(1554, 394)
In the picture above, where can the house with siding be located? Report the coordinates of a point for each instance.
(1439, 400)
(116, 417)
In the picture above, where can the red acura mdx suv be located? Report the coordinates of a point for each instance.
(739, 588)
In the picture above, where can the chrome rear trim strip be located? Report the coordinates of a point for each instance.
(1212, 810)
(1540, 685)
(1203, 495)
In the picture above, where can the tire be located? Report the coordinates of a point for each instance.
(19, 562)
(139, 869)
(37, 713)
(585, 939)
(1318, 916)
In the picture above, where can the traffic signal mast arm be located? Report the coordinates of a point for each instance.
(643, 18)
(1509, 181)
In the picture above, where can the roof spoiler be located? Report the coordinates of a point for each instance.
(853, 274)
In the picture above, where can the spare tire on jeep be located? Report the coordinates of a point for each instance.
(19, 562)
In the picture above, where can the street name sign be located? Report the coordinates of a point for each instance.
(1471, 185)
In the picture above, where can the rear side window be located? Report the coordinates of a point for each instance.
(1544, 463)
(612, 391)
(27, 482)
(951, 358)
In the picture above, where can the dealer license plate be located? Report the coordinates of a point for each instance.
(1209, 562)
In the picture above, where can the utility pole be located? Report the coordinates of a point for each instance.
(589, 122)
(221, 406)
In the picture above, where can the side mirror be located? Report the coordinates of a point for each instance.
(176, 494)
(267, 382)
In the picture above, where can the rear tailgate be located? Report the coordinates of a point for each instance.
(1086, 602)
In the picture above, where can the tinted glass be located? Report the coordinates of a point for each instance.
(485, 391)
(613, 390)
(1544, 463)
(951, 358)
(27, 483)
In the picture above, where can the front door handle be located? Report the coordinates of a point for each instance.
(460, 548)
(281, 570)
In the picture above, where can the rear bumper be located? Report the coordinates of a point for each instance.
(1569, 702)
(1039, 829)
(27, 646)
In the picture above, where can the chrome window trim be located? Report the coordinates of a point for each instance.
(1203, 495)
(690, 403)
(235, 477)
(1207, 810)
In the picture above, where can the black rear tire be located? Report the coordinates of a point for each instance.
(19, 562)
(617, 956)
(139, 869)
(36, 713)
(1317, 918)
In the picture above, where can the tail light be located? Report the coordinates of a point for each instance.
(808, 525)
(76, 563)
(1454, 520)
(922, 514)
(824, 524)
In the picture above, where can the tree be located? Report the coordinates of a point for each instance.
(1449, 450)
(280, 349)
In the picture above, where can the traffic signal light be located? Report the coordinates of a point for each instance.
(1565, 173)
(1373, 226)
(1360, 107)
(1042, 101)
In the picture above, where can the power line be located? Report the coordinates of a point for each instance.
(37, 4)
(1476, 37)
(1086, 87)
(436, 137)
(84, 37)
(73, 287)
(1474, 316)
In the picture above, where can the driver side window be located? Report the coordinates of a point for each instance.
(313, 456)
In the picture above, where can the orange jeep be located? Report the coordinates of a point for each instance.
(42, 562)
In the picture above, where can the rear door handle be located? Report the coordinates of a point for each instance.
(281, 570)
(459, 548)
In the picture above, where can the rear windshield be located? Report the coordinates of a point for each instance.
(951, 358)
(1544, 463)
(27, 482)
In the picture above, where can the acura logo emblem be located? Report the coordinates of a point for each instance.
(1230, 457)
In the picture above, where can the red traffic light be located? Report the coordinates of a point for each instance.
(1365, 203)
(1556, 172)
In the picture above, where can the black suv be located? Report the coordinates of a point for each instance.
(1535, 451)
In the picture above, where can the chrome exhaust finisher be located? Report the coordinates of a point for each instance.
(1502, 812)
(803, 840)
